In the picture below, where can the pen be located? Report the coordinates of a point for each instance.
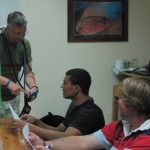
(49, 146)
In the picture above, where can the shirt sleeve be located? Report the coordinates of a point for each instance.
(28, 50)
(106, 135)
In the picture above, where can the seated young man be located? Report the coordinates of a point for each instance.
(83, 115)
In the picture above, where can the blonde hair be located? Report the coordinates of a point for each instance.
(136, 91)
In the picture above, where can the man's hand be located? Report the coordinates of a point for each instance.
(28, 118)
(35, 140)
(33, 92)
(15, 89)
(39, 147)
(17, 124)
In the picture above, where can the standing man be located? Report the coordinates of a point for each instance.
(15, 53)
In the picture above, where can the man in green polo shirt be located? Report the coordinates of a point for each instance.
(15, 53)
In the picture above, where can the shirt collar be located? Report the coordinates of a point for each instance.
(127, 127)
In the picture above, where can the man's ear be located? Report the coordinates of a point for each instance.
(77, 88)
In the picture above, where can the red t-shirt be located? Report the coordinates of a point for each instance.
(114, 136)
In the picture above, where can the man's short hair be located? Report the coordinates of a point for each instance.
(80, 77)
(16, 18)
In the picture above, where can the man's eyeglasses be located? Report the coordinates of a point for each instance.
(18, 31)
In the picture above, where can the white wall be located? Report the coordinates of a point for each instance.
(53, 55)
(6, 7)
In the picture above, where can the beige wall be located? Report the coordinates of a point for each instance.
(53, 55)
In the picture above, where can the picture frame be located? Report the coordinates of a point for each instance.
(97, 20)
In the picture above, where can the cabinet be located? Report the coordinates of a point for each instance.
(116, 91)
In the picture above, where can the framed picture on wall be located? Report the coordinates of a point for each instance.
(97, 20)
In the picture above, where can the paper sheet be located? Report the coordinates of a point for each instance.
(25, 132)
(14, 114)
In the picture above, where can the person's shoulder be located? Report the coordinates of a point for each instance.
(91, 108)
(1, 36)
(143, 139)
(1, 41)
(113, 125)
(93, 105)
(26, 41)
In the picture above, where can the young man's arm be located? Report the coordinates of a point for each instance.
(33, 120)
(53, 134)
(60, 131)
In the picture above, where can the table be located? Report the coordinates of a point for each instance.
(8, 139)
(116, 92)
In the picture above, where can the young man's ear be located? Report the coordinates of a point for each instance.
(77, 88)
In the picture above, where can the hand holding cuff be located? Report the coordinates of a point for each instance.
(34, 91)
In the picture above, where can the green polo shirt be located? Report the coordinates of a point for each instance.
(16, 61)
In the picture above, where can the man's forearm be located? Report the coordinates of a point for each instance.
(41, 124)
(76, 143)
(3, 80)
(69, 143)
(30, 80)
(46, 133)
